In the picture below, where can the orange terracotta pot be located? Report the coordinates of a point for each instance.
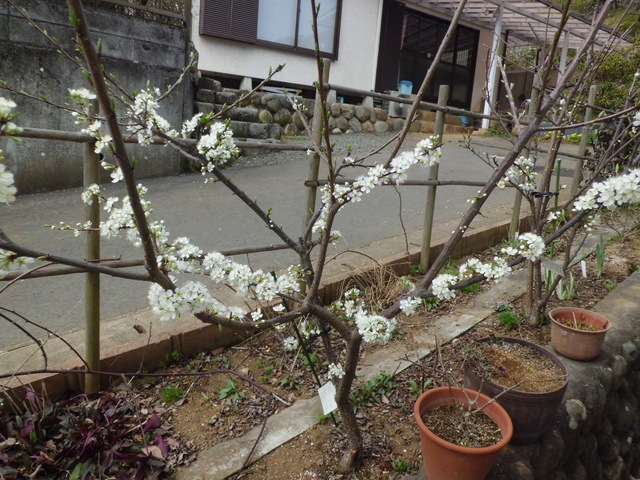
(446, 461)
(575, 343)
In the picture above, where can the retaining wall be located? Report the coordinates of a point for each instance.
(270, 115)
(135, 51)
(596, 434)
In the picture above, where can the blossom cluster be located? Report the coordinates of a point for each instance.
(373, 328)
(520, 174)
(410, 305)
(493, 270)
(7, 127)
(217, 146)
(611, 193)
(426, 153)
(7, 188)
(145, 118)
(10, 262)
(529, 245)
(192, 297)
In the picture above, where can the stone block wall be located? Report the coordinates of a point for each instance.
(275, 114)
(596, 434)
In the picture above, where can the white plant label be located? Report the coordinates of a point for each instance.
(327, 394)
(583, 265)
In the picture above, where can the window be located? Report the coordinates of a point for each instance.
(422, 36)
(281, 23)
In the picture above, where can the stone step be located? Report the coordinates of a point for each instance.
(241, 114)
(245, 122)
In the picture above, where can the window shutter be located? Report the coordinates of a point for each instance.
(215, 18)
(244, 20)
(233, 19)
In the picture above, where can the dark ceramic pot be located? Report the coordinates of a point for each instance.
(531, 412)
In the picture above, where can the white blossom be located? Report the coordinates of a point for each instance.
(290, 343)
(90, 193)
(10, 262)
(7, 188)
(81, 95)
(611, 193)
(530, 246)
(410, 305)
(335, 371)
(440, 286)
(374, 328)
(217, 146)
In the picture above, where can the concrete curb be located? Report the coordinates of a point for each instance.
(191, 336)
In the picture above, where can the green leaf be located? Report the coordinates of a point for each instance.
(75, 21)
(75, 475)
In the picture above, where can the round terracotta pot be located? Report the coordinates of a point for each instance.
(575, 343)
(444, 460)
(530, 412)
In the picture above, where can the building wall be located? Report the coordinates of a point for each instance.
(357, 59)
(354, 66)
(135, 51)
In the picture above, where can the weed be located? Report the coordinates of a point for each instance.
(416, 270)
(374, 390)
(566, 288)
(418, 389)
(171, 359)
(309, 360)
(231, 392)
(401, 466)
(291, 383)
(431, 302)
(225, 362)
(267, 374)
(600, 256)
(610, 285)
(171, 394)
(508, 319)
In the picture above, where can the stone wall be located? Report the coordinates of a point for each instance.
(271, 115)
(596, 434)
(135, 51)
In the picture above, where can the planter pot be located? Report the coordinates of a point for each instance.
(530, 412)
(444, 460)
(575, 343)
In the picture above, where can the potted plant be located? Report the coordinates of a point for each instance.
(443, 459)
(525, 378)
(577, 333)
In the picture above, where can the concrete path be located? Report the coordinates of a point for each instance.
(213, 219)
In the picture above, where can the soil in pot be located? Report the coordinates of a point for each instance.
(577, 333)
(527, 380)
(456, 424)
(444, 460)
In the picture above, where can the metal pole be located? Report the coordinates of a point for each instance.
(582, 148)
(443, 95)
(316, 133)
(493, 69)
(91, 175)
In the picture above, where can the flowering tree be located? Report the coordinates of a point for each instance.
(166, 255)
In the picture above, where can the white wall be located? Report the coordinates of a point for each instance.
(357, 54)
(354, 67)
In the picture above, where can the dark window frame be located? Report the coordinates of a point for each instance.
(453, 65)
(222, 25)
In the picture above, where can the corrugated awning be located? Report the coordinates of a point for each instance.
(528, 22)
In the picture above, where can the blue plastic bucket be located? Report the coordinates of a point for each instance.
(405, 86)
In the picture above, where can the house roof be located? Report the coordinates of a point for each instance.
(528, 22)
